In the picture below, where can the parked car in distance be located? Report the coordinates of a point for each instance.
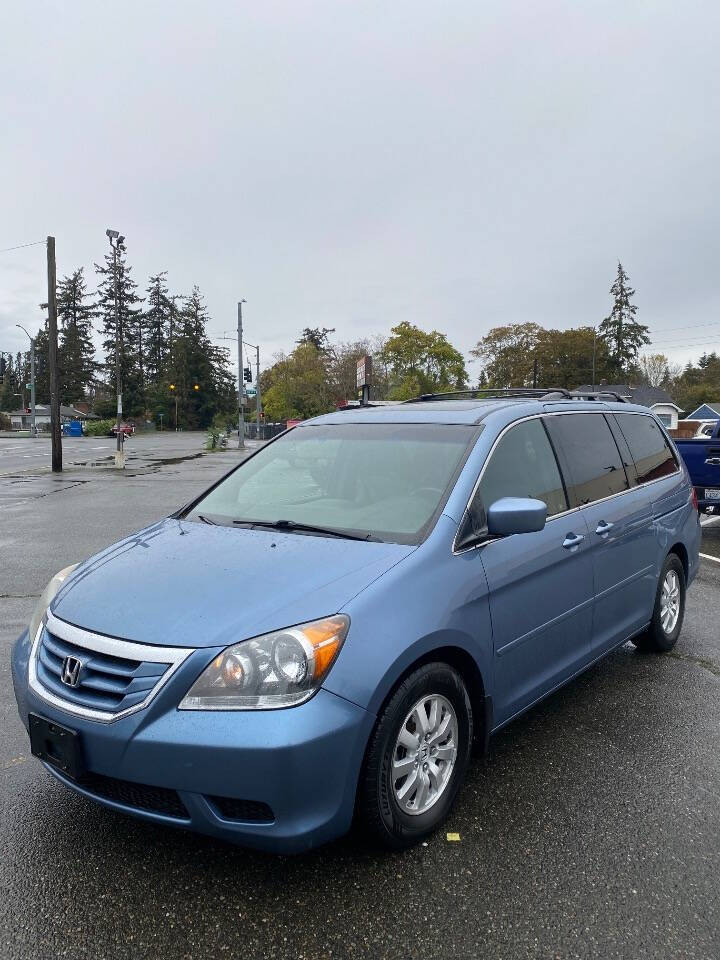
(127, 429)
(702, 458)
(406, 580)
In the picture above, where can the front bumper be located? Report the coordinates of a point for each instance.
(302, 762)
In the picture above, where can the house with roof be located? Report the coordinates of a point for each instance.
(706, 411)
(22, 419)
(656, 398)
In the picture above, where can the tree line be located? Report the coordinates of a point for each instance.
(162, 339)
(317, 374)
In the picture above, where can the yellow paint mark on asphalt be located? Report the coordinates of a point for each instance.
(454, 837)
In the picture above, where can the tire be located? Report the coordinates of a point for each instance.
(664, 630)
(438, 690)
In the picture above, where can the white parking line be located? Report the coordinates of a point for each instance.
(708, 520)
(100, 448)
(706, 556)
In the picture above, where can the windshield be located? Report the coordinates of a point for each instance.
(384, 480)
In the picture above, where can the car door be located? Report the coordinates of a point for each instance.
(540, 584)
(707, 476)
(618, 515)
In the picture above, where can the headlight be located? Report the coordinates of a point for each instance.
(46, 598)
(279, 669)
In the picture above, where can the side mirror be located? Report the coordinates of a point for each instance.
(516, 515)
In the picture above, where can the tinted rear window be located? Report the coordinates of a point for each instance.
(590, 453)
(649, 448)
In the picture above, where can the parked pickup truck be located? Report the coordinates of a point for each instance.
(702, 458)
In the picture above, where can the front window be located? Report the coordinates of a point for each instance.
(385, 481)
(523, 465)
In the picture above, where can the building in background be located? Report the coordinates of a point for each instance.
(657, 399)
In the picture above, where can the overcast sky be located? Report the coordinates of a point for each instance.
(352, 165)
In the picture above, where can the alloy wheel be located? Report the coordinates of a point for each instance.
(425, 753)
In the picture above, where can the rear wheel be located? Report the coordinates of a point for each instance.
(665, 626)
(417, 756)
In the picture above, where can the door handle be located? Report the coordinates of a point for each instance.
(713, 461)
(603, 528)
(573, 540)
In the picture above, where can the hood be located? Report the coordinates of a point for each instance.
(179, 583)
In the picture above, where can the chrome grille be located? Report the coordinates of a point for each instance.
(105, 682)
(111, 677)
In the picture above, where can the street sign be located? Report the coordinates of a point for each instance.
(364, 371)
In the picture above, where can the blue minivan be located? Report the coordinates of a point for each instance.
(325, 634)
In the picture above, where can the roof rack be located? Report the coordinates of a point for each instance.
(491, 393)
(599, 394)
(536, 393)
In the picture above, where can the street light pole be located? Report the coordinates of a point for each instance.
(33, 434)
(241, 380)
(119, 454)
(55, 439)
(257, 384)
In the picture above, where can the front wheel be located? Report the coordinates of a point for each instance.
(664, 630)
(417, 756)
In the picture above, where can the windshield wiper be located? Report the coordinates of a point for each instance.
(308, 527)
(206, 520)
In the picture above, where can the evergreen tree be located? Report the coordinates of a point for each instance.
(9, 386)
(319, 337)
(159, 320)
(130, 330)
(621, 332)
(196, 361)
(42, 368)
(76, 353)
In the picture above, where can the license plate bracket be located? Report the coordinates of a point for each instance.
(712, 494)
(57, 745)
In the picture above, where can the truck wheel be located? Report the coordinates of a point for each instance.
(417, 757)
(667, 620)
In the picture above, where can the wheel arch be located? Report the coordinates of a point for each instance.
(680, 551)
(461, 660)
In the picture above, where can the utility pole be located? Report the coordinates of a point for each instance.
(33, 432)
(257, 384)
(53, 360)
(593, 365)
(241, 381)
(119, 453)
(257, 389)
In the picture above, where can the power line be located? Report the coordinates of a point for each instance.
(21, 246)
(684, 327)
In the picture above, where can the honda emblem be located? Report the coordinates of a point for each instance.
(71, 671)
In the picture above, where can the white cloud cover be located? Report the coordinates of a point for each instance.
(459, 165)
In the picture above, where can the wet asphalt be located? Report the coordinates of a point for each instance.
(592, 830)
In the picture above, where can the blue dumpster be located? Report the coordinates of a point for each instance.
(75, 429)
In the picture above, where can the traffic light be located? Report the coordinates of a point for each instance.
(247, 373)
(172, 386)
